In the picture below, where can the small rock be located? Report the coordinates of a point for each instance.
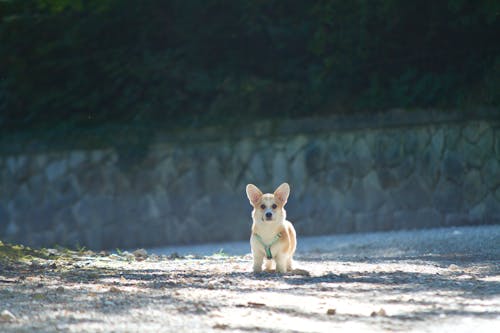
(140, 253)
(331, 312)
(114, 289)
(175, 255)
(302, 272)
(255, 304)
(60, 289)
(108, 303)
(52, 252)
(379, 313)
(453, 267)
(220, 326)
(7, 316)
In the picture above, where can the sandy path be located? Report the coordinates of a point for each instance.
(441, 280)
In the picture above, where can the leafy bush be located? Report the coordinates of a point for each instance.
(168, 64)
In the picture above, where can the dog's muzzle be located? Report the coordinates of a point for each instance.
(269, 216)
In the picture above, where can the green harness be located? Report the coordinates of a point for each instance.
(267, 247)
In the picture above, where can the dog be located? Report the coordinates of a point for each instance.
(273, 237)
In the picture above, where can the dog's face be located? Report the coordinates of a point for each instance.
(268, 208)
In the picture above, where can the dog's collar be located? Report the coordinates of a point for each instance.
(267, 247)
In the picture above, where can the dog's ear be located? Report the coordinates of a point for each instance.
(253, 194)
(282, 192)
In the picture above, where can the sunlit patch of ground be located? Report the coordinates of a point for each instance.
(375, 291)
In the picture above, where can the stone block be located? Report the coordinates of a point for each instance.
(298, 174)
(412, 194)
(339, 177)
(344, 223)
(387, 178)
(490, 173)
(41, 161)
(415, 141)
(258, 171)
(473, 155)
(22, 200)
(55, 169)
(35, 183)
(422, 218)
(452, 137)
(427, 167)
(66, 189)
(405, 169)
(314, 155)
(245, 150)
(337, 201)
(94, 211)
(280, 169)
(365, 222)
(448, 197)
(454, 219)
(389, 151)
(364, 196)
(76, 158)
(477, 214)
(337, 152)
(473, 188)
(361, 158)
(373, 221)
(486, 141)
(453, 167)
(296, 145)
(492, 209)
(437, 142)
(12, 164)
(4, 219)
(64, 216)
(496, 132)
(212, 177)
(473, 131)
(96, 156)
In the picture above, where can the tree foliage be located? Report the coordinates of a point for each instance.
(189, 63)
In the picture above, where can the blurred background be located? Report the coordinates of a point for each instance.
(138, 123)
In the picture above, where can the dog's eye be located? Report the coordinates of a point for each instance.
(274, 206)
(263, 206)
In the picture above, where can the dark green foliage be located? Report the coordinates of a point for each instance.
(154, 63)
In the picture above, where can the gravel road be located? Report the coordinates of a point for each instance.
(436, 280)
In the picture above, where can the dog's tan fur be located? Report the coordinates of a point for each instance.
(267, 228)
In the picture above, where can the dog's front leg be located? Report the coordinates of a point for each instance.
(281, 263)
(257, 262)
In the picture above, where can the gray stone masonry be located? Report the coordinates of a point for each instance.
(397, 170)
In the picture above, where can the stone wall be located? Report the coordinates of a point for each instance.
(397, 170)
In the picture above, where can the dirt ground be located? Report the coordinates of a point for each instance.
(443, 280)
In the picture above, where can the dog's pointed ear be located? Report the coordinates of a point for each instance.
(282, 192)
(253, 194)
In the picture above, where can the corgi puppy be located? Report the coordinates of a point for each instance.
(273, 237)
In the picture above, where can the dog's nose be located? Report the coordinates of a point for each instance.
(269, 215)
